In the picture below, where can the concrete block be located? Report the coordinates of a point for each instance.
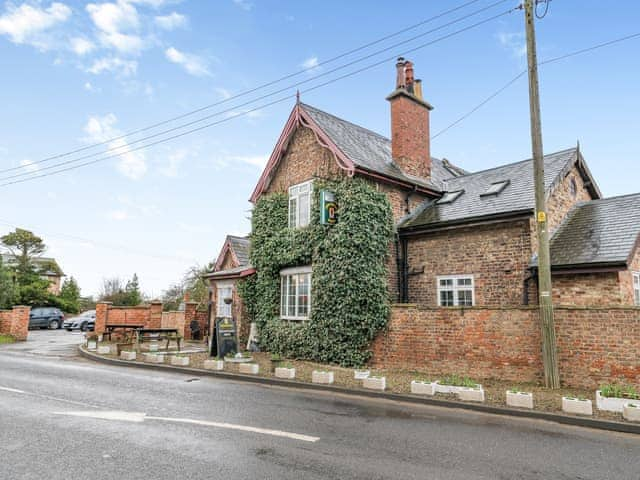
(250, 368)
(374, 383)
(520, 399)
(179, 361)
(153, 358)
(283, 372)
(422, 388)
(124, 355)
(214, 364)
(471, 394)
(631, 411)
(104, 349)
(610, 404)
(361, 374)
(578, 407)
(318, 376)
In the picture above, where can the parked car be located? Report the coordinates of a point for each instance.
(46, 317)
(85, 321)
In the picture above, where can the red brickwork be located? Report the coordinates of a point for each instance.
(148, 315)
(496, 255)
(594, 345)
(6, 316)
(15, 322)
(410, 135)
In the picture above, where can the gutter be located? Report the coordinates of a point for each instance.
(466, 222)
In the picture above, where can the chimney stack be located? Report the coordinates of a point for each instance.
(410, 145)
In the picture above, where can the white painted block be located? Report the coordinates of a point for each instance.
(361, 374)
(422, 388)
(92, 345)
(124, 355)
(283, 372)
(104, 349)
(322, 377)
(438, 388)
(520, 399)
(374, 383)
(153, 347)
(631, 411)
(153, 358)
(610, 404)
(179, 361)
(250, 368)
(471, 394)
(214, 364)
(579, 407)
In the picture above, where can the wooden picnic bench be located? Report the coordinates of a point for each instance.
(167, 334)
(110, 328)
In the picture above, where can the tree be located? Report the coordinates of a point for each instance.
(192, 284)
(7, 287)
(132, 290)
(70, 295)
(23, 246)
(115, 291)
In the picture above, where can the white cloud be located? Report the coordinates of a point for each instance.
(27, 24)
(89, 87)
(29, 166)
(172, 168)
(259, 161)
(118, 24)
(515, 42)
(172, 21)
(81, 46)
(118, 215)
(193, 64)
(116, 65)
(101, 129)
(223, 92)
(311, 64)
(243, 4)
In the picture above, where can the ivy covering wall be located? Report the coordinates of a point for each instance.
(349, 294)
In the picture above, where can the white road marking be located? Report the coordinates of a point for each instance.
(141, 417)
(13, 390)
(111, 415)
(231, 426)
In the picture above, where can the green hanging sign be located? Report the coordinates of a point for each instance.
(328, 208)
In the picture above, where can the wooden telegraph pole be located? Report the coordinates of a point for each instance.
(549, 348)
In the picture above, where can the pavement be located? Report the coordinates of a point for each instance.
(63, 417)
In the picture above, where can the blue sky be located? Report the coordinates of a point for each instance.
(76, 73)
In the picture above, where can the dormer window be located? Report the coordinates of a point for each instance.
(450, 197)
(495, 188)
(300, 204)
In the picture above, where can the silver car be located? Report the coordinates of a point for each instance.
(85, 321)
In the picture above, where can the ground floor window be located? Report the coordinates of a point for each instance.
(224, 291)
(455, 290)
(636, 288)
(295, 296)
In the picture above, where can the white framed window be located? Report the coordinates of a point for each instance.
(224, 290)
(456, 291)
(636, 288)
(295, 293)
(300, 204)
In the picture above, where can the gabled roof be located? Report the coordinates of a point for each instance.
(355, 150)
(599, 232)
(238, 248)
(517, 196)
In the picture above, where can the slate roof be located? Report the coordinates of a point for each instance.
(597, 232)
(240, 246)
(517, 196)
(372, 151)
(228, 272)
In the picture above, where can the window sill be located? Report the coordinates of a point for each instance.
(295, 319)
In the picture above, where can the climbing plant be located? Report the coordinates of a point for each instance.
(349, 299)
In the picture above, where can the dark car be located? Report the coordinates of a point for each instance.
(85, 321)
(46, 317)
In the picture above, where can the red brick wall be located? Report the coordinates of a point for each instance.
(148, 315)
(595, 345)
(6, 316)
(592, 289)
(15, 322)
(625, 279)
(410, 136)
(496, 255)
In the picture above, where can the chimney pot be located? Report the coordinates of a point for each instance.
(400, 77)
(417, 88)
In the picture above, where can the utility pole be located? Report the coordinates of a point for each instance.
(549, 348)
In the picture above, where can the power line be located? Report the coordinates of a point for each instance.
(34, 175)
(518, 76)
(265, 85)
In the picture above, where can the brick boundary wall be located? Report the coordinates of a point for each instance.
(594, 345)
(148, 315)
(15, 322)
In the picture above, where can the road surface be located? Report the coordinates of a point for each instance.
(62, 417)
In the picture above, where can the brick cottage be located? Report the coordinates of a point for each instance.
(462, 270)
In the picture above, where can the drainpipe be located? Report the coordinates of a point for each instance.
(525, 285)
(405, 271)
(399, 274)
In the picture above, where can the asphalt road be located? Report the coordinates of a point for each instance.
(248, 431)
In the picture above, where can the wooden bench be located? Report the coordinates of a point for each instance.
(110, 328)
(167, 334)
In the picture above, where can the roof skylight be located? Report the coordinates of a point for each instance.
(450, 197)
(495, 188)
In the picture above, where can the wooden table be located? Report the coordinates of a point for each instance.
(167, 334)
(120, 326)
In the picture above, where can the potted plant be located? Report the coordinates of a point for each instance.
(214, 364)
(518, 399)
(631, 411)
(179, 360)
(422, 387)
(322, 376)
(454, 384)
(92, 342)
(250, 368)
(374, 383)
(577, 405)
(285, 370)
(613, 398)
(471, 394)
(276, 360)
(128, 354)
